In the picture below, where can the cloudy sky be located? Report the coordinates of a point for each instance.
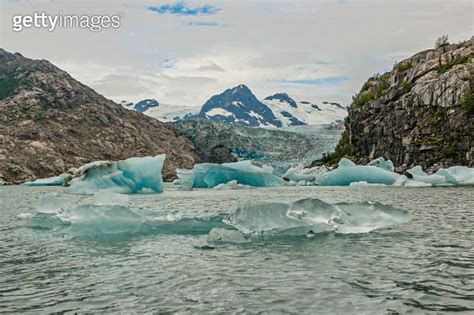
(184, 52)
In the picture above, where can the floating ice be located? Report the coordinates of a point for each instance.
(50, 181)
(232, 185)
(220, 235)
(304, 176)
(347, 173)
(420, 176)
(312, 216)
(133, 175)
(457, 175)
(383, 164)
(208, 175)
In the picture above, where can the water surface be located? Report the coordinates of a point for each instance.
(426, 265)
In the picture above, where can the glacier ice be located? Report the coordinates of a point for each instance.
(304, 176)
(457, 175)
(208, 175)
(232, 185)
(347, 173)
(50, 181)
(134, 175)
(220, 235)
(312, 216)
(420, 176)
(383, 164)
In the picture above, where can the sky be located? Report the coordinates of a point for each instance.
(184, 52)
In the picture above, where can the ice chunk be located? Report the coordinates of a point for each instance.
(300, 174)
(231, 186)
(383, 164)
(133, 175)
(208, 175)
(50, 181)
(347, 173)
(364, 184)
(457, 175)
(414, 183)
(220, 235)
(420, 176)
(53, 203)
(312, 216)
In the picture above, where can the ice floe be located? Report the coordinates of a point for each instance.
(134, 175)
(50, 181)
(209, 175)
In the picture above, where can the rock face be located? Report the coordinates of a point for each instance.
(50, 122)
(420, 113)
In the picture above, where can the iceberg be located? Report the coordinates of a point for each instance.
(134, 175)
(347, 173)
(304, 176)
(232, 185)
(209, 175)
(383, 164)
(312, 216)
(50, 181)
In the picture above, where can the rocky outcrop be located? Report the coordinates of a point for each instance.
(50, 122)
(420, 113)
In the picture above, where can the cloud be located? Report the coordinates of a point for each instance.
(317, 81)
(182, 8)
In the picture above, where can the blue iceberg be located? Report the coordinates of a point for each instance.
(50, 181)
(456, 175)
(134, 175)
(208, 175)
(347, 173)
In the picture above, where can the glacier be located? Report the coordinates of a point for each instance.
(134, 175)
(312, 216)
(208, 175)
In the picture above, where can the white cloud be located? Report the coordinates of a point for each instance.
(261, 43)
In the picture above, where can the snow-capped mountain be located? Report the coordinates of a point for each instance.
(292, 113)
(238, 105)
(163, 112)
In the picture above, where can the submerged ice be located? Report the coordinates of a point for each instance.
(314, 216)
(134, 175)
(209, 175)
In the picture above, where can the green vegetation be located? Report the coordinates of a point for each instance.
(406, 86)
(448, 152)
(402, 67)
(467, 103)
(343, 149)
(8, 86)
(372, 89)
(443, 68)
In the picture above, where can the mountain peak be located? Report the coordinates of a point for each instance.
(240, 105)
(282, 97)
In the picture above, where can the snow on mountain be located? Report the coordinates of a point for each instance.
(292, 113)
(238, 105)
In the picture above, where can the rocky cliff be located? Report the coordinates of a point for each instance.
(420, 113)
(50, 122)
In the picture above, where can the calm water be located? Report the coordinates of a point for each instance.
(423, 266)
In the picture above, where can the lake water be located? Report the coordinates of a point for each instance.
(418, 267)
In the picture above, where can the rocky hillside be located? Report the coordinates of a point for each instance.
(50, 122)
(420, 113)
